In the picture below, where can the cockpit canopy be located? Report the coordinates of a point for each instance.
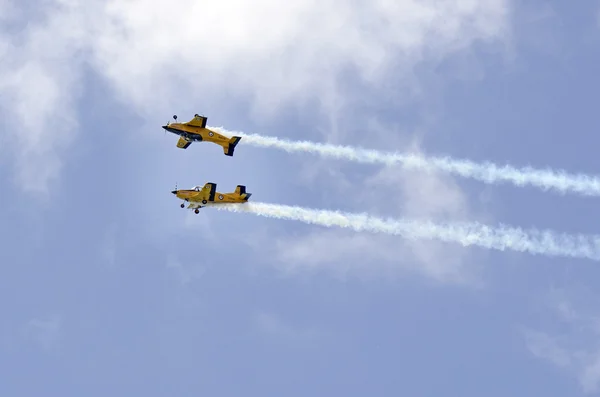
(197, 188)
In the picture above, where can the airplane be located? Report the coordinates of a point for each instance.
(201, 196)
(195, 131)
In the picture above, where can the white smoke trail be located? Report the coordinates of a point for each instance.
(548, 179)
(542, 242)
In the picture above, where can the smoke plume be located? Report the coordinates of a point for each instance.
(532, 241)
(544, 179)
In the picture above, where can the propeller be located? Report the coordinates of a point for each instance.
(169, 122)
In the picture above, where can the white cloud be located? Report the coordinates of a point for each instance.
(169, 55)
(276, 51)
(269, 52)
(390, 192)
(39, 79)
(544, 346)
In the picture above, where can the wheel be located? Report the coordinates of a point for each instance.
(197, 211)
(182, 205)
(204, 201)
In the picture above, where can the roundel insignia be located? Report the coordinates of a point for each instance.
(220, 197)
(210, 133)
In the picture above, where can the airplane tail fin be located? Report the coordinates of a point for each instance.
(241, 190)
(231, 145)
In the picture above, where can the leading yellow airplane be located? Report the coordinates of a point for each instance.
(199, 197)
(195, 131)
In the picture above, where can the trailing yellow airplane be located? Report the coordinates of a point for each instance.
(202, 196)
(195, 131)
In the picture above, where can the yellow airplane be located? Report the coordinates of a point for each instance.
(199, 196)
(195, 131)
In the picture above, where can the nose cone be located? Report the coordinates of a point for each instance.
(165, 127)
(174, 191)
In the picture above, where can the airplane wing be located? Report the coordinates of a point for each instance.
(183, 143)
(210, 189)
(197, 121)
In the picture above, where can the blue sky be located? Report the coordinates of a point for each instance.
(106, 285)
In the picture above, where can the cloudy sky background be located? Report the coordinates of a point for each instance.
(106, 285)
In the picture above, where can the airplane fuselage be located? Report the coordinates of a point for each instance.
(196, 134)
(208, 196)
(198, 197)
(195, 131)
(185, 134)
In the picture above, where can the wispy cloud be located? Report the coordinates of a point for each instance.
(148, 53)
(576, 347)
(45, 331)
(274, 326)
(39, 79)
(186, 272)
(348, 254)
(7, 10)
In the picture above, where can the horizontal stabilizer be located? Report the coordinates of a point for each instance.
(231, 146)
(183, 143)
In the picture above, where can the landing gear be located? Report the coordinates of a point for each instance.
(182, 205)
(197, 211)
